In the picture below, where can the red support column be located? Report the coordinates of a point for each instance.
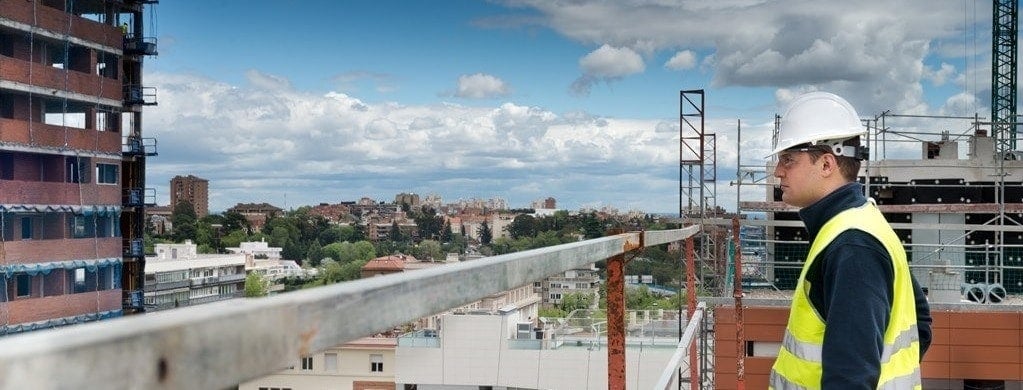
(740, 337)
(694, 369)
(616, 323)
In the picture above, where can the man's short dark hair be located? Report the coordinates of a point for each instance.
(848, 166)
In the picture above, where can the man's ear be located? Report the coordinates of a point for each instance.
(829, 164)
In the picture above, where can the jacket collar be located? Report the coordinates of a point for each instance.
(816, 215)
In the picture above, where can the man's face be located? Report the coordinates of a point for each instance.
(799, 177)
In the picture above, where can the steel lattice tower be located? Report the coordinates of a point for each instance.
(1003, 74)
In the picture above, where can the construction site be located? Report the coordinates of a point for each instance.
(951, 188)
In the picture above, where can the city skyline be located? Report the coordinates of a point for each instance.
(290, 104)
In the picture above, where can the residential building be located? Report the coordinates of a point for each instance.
(510, 347)
(382, 230)
(265, 260)
(335, 213)
(575, 281)
(410, 199)
(364, 364)
(433, 200)
(195, 190)
(256, 213)
(159, 218)
(179, 276)
(548, 203)
(385, 265)
(258, 250)
(72, 195)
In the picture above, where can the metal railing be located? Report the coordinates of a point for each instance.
(685, 346)
(222, 344)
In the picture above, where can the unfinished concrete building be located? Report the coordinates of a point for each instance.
(72, 160)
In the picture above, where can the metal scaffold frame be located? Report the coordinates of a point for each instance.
(889, 147)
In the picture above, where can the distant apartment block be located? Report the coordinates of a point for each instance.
(575, 281)
(179, 276)
(159, 219)
(382, 231)
(258, 250)
(407, 198)
(548, 203)
(384, 265)
(498, 224)
(364, 364)
(335, 213)
(195, 190)
(511, 348)
(265, 260)
(72, 187)
(256, 213)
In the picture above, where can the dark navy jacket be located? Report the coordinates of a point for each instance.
(851, 288)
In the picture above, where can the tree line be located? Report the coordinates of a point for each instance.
(340, 251)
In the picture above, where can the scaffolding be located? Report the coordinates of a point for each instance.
(957, 205)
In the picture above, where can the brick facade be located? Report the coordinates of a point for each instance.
(61, 185)
(965, 344)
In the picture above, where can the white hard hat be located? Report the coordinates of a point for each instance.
(819, 118)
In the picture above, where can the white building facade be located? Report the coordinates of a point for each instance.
(178, 276)
(574, 281)
(509, 350)
(364, 364)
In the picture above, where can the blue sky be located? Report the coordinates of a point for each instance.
(297, 103)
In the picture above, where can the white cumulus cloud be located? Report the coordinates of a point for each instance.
(607, 63)
(480, 86)
(682, 60)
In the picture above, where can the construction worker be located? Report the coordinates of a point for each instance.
(859, 320)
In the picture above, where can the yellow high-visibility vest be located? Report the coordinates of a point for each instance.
(798, 365)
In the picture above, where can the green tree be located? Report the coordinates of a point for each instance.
(335, 272)
(346, 252)
(331, 235)
(445, 234)
(255, 285)
(206, 235)
(486, 235)
(315, 253)
(364, 250)
(552, 312)
(234, 220)
(639, 298)
(234, 239)
(280, 236)
(592, 226)
(396, 235)
(428, 250)
(524, 225)
(572, 301)
(429, 223)
(183, 220)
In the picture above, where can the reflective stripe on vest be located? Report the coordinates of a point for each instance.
(813, 352)
(908, 381)
(799, 362)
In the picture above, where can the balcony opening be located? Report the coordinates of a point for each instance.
(77, 277)
(6, 166)
(26, 228)
(107, 173)
(107, 65)
(78, 169)
(24, 286)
